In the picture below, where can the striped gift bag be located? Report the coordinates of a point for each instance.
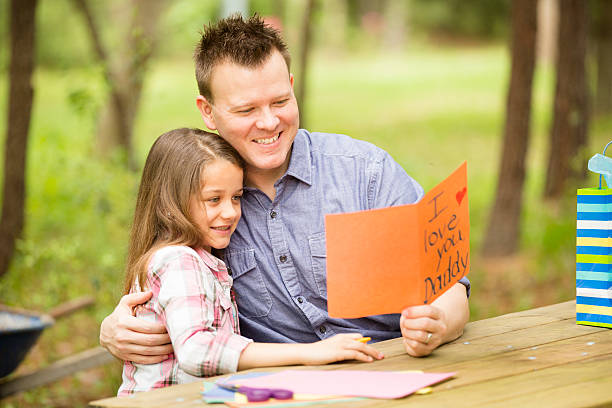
(594, 257)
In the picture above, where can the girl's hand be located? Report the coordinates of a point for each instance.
(340, 347)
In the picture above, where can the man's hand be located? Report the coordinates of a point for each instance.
(131, 339)
(423, 329)
(426, 327)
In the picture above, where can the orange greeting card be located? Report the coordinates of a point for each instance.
(384, 260)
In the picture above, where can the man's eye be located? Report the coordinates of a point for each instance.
(281, 102)
(248, 110)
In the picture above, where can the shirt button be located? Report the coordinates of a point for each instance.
(272, 214)
(282, 258)
(322, 329)
(300, 299)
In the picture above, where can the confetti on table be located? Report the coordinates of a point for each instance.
(466, 342)
(590, 343)
(531, 358)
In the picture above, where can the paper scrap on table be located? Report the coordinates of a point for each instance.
(274, 403)
(213, 394)
(371, 384)
(384, 260)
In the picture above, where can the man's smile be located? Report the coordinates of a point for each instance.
(268, 140)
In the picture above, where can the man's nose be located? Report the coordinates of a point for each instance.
(267, 120)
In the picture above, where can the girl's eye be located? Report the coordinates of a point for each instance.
(213, 199)
(237, 197)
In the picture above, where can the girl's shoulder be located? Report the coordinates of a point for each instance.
(182, 255)
(169, 257)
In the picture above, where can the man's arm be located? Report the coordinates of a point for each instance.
(131, 339)
(445, 319)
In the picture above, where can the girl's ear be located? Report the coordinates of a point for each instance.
(205, 109)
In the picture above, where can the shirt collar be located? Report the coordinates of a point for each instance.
(210, 260)
(300, 165)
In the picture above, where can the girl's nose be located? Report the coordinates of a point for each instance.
(229, 211)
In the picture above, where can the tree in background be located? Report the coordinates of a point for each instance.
(602, 34)
(124, 71)
(21, 94)
(570, 116)
(503, 231)
(305, 46)
(548, 31)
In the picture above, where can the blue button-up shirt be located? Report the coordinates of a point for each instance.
(277, 254)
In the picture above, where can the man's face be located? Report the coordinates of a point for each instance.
(255, 110)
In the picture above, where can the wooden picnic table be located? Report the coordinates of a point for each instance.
(534, 358)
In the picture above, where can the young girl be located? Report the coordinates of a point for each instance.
(189, 204)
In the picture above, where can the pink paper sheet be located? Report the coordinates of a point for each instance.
(371, 384)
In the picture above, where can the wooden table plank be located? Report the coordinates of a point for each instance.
(580, 384)
(548, 354)
(478, 348)
(519, 320)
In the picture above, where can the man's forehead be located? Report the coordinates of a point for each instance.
(230, 79)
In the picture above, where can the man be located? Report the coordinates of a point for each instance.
(293, 178)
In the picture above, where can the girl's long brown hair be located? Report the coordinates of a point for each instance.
(172, 173)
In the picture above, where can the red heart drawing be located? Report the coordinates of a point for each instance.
(460, 195)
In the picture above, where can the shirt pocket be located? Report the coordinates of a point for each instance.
(318, 256)
(252, 295)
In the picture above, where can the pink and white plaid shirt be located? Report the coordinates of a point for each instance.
(192, 297)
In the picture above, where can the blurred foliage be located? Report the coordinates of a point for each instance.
(4, 34)
(481, 19)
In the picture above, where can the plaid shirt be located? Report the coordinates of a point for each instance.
(192, 297)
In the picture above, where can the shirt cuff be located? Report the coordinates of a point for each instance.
(468, 286)
(234, 345)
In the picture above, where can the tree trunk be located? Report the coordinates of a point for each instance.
(548, 31)
(304, 53)
(503, 231)
(124, 75)
(603, 49)
(570, 118)
(396, 23)
(21, 94)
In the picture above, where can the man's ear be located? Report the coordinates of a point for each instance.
(205, 109)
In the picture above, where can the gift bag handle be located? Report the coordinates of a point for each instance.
(604, 153)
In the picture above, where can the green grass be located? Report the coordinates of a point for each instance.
(430, 108)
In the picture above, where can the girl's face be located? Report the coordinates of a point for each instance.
(216, 209)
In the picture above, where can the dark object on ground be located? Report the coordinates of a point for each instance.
(19, 330)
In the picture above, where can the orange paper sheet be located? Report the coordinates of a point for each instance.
(384, 260)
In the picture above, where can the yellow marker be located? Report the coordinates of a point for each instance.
(364, 339)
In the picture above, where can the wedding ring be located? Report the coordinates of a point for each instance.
(428, 338)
